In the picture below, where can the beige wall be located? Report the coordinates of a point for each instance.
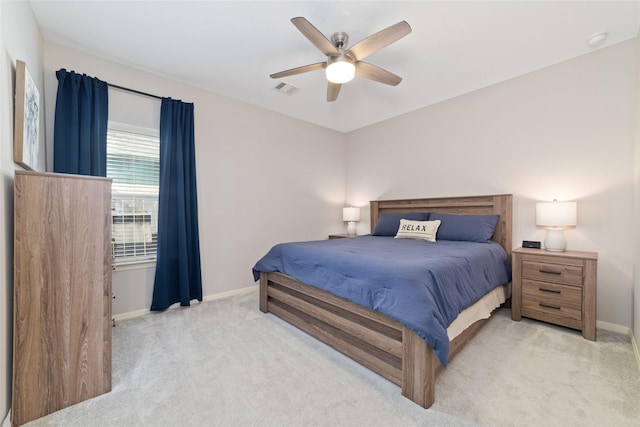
(263, 177)
(563, 132)
(20, 39)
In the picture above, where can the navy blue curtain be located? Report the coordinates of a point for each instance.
(178, 277)
(80, 130)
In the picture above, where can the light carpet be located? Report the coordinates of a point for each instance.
(224, 363)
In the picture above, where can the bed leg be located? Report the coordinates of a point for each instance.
(263, 292)
(418, 369)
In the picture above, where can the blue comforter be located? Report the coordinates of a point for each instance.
(422, 285)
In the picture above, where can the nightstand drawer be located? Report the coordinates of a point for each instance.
(556, 273)
(540, 299)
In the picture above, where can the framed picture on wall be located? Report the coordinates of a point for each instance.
(26, 141)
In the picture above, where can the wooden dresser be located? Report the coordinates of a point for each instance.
(556, 287)
(62, 292)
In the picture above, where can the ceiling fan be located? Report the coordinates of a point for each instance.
(342, 63)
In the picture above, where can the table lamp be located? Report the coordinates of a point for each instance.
(555, 215)
(351, 215)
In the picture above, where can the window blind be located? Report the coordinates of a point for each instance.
(133, 162)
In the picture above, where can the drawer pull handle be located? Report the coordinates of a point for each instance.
(553, 291)
(555, 307)
(546, 270)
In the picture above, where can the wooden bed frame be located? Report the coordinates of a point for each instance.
(371, 338)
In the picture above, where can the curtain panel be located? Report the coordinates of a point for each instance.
(80, 130)
(178, 274)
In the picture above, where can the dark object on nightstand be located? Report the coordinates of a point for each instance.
(532, 244)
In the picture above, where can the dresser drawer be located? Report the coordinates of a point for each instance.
(556, 273)
(561, 304)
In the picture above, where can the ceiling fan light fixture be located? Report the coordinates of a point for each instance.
(340, 69)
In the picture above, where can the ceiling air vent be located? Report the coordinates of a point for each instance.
(286, 88)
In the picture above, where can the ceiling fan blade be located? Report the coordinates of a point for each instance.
(333, 89)
(315, 36)
(299, 70)
(379, 40)
(371, 72)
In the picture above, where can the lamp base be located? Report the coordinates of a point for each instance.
(351, 228)
(555, 241)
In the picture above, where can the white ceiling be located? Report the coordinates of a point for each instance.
(231, 47)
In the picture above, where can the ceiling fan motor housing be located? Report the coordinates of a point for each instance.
(340, 69)
(340, 40)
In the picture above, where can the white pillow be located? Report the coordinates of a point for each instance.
(425, 230)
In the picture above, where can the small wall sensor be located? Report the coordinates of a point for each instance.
(597, 39)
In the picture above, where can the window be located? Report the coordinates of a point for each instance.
(133, 162)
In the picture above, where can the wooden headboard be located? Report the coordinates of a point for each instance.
(500, 204)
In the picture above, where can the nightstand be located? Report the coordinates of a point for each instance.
(340, 236)
(555, 287)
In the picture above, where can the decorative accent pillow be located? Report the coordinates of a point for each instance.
(388, 224)
(425, 230)
(469, 228)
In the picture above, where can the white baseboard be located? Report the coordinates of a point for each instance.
(130, 314)
(212, 297)
(612, 327)
(634, 344)
(7, 420)
(622, 330)
(227, 294)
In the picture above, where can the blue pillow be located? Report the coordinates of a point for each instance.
(470, 228)
(388, 224)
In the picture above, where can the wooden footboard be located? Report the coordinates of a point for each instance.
(370, 338)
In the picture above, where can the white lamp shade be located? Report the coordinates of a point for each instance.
(351, 214)
(556, 214)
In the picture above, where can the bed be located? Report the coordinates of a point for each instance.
(378, 341)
